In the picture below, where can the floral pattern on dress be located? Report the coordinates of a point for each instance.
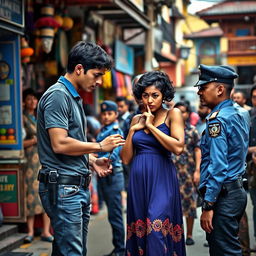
(141, 228)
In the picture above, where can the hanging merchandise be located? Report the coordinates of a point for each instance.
(128, 82)
(107, 80)
(25, 51)
(121, 89)
(46, 25)
(67, 22)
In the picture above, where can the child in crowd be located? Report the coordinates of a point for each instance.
(112, 185)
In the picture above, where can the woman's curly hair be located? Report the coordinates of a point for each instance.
(157, 78)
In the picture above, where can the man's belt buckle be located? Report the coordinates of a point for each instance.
(53, 177)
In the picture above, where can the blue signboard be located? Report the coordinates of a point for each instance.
(124, 58)
(10, 94)
(11, 11)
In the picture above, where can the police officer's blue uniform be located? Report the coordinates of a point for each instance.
(224, 147)
(112, 185)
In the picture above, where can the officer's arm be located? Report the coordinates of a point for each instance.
(217, 169)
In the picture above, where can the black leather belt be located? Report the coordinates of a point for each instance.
(226, 187)
(82, 181)
(232, 185)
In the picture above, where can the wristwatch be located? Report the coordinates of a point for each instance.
(207, 206)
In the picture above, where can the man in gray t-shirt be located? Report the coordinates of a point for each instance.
(65, 153)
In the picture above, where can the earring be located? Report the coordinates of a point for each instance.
(163, 101)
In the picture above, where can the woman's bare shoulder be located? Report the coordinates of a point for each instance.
(174, 113)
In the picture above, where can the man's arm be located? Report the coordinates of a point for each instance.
(63, 144)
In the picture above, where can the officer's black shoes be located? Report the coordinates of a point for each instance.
(190, 241)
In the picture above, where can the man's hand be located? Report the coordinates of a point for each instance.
(102, 166)
(196, 177)
(206, 221)
(111, 142)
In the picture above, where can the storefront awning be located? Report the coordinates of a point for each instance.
(121, 12)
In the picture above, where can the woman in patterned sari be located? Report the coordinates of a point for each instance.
(33, 203)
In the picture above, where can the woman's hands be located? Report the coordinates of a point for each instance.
(149, 117)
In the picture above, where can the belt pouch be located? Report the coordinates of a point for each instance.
(53, 186)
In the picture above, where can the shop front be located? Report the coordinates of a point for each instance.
(12, 199)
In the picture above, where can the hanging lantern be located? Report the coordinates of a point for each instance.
(67, 23)
(46, 25)
(25, 51)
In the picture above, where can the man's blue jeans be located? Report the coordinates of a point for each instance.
(69, 218)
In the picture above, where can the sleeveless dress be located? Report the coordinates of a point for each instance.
(154, 215)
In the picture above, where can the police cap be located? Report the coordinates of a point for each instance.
(222, 74)
(108, 105)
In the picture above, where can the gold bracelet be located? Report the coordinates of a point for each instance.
(100, 147)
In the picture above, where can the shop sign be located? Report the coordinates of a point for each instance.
(139, 4)
(11, 11)
(12, 193)
(124, 58)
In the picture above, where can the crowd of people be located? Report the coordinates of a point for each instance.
(155, 162)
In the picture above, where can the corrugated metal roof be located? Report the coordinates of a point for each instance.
(229, 7)
(209, 32)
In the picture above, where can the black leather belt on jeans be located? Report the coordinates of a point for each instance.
(232, 185)
(83, 181)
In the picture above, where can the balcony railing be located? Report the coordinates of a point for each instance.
(242, 45)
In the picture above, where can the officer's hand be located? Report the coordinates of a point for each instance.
(206, 221)
(102, 166)
(112, 142)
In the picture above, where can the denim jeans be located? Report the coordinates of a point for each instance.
(253, 198)
(111, 187)
(69, 218)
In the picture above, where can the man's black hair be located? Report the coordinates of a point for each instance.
(122, 98)
(90, 55)
(253, 89)
(157, 78)
(183, 104)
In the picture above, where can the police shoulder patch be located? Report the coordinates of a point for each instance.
(214, 129)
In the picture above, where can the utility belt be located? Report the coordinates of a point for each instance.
(226, 187)
(52, 178)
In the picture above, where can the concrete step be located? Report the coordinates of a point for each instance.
(7, 230)
(11, 242)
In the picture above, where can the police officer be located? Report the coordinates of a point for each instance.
(224, 146)
(112, 185)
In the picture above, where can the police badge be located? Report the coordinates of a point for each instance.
(214, 129)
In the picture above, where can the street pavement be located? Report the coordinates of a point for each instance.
(100, 238)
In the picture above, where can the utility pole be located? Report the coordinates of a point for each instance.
(149, 37)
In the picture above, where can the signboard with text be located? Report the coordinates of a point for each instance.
(12, 194)
(11, 11)
(124, 58)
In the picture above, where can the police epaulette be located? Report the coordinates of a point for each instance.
(214, 115)
(115, 127)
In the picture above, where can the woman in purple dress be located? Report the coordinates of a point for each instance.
(154, 215)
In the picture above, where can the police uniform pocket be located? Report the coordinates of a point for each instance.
(69, 190)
